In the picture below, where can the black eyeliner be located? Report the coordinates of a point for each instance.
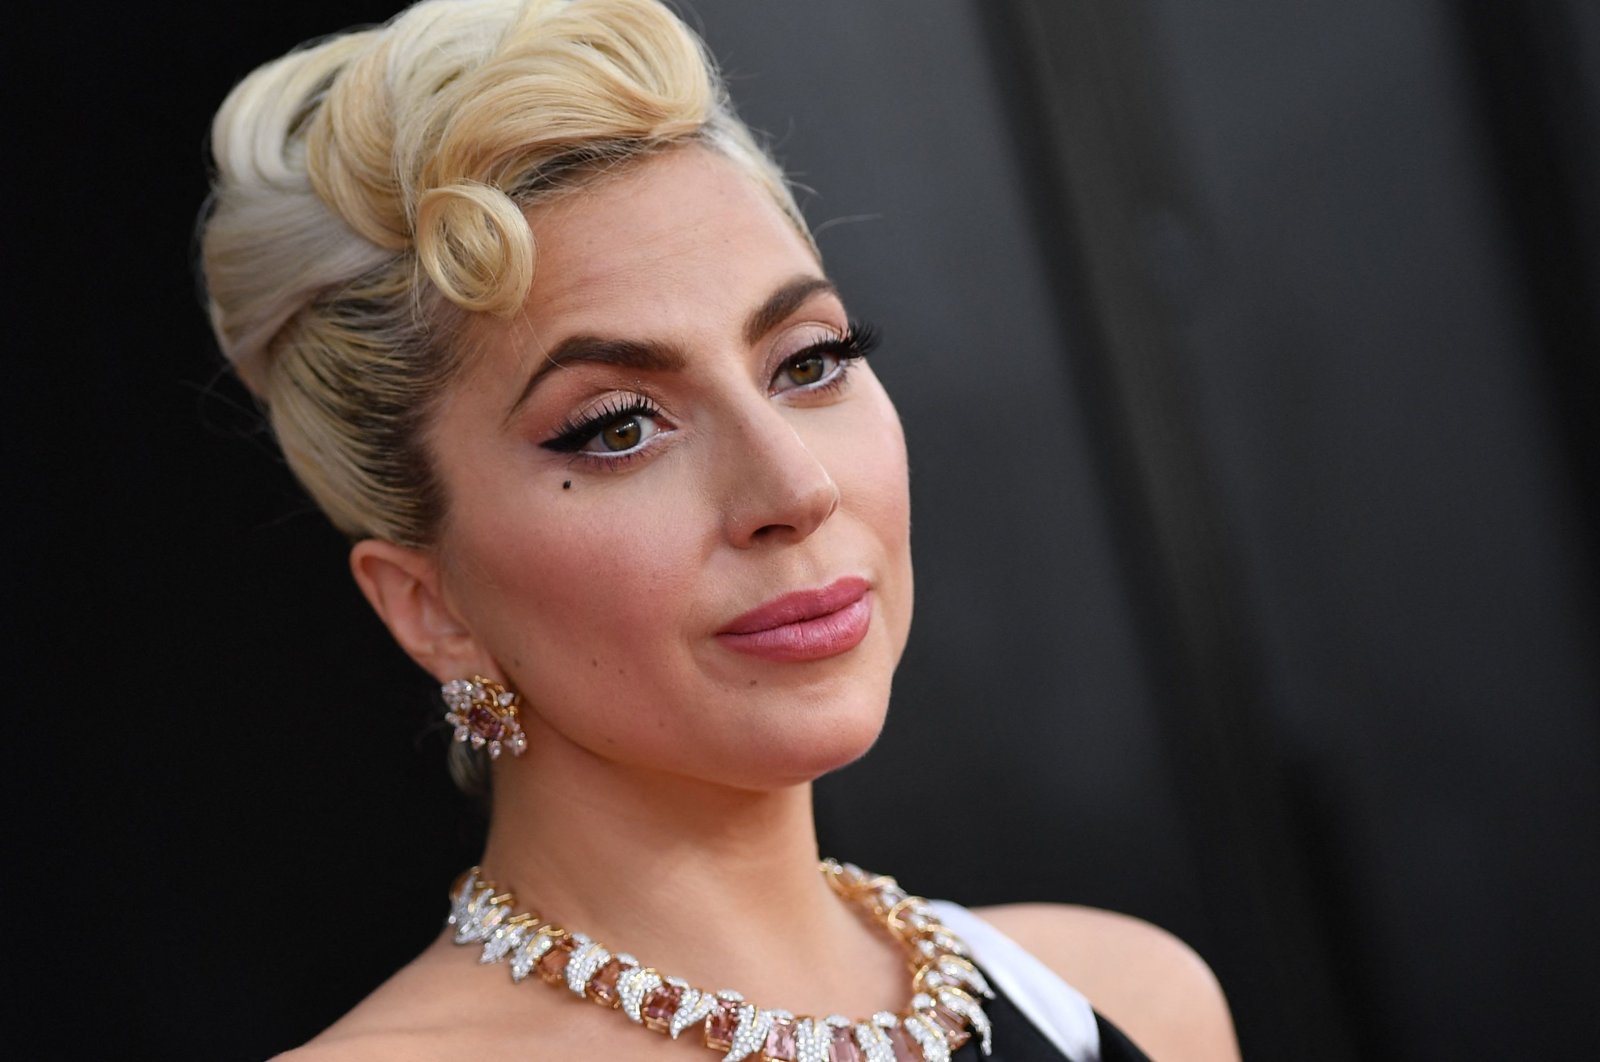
(573, 435)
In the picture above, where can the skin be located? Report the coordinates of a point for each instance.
(667, 777)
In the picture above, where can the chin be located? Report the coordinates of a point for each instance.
(820, 746)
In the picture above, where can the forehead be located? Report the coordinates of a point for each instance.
(674, 241)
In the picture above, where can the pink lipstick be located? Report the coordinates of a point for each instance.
(804, 625)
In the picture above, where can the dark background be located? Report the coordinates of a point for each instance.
(1248, 358)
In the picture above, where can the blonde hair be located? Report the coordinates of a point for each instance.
(369, 198)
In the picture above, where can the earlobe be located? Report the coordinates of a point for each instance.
(403, 587)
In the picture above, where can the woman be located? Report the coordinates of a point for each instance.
(541, 328)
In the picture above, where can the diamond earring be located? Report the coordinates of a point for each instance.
(484, 713)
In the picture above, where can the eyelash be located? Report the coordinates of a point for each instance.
(573, 434)
(858, 341)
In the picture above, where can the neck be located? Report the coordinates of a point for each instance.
(704, 881)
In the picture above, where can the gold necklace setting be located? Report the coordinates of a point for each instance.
(944, 1012)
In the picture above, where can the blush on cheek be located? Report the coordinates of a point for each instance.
(878, 453)
(599, 578)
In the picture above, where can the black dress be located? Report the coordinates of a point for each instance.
(1035, 1015)
(1016, 1039)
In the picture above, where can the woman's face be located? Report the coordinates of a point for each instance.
(678, 513)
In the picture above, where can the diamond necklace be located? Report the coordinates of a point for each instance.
(943, 1014)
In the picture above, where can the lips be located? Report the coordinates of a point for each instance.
(805, 625)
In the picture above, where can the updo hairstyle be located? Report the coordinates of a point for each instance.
(369, 197)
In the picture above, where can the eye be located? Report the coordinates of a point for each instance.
(616, 429)
(808, 369)
(821, 365)
(622, 435)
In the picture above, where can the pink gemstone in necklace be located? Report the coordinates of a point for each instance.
(553, 967)
(780, 1040)
(722, 1023)
(904, 1048)
(842, 1048)
(660, 1005)
(603, 986)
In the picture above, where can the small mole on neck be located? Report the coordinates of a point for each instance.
(566, 484)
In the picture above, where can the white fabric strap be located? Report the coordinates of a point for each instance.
(1055, 1007)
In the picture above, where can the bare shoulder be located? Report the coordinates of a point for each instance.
(1148, 982)
(377, 1035)
(353, 1049)
(374, 1041)
(415, 1016)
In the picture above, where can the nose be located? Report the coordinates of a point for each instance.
(776, 487)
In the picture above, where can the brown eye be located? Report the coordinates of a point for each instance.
(618, 428)
(622, 434)
(807, 370)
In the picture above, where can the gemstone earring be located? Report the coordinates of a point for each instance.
(484, 713)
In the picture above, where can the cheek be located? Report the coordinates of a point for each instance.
(869, 464)
(870, 467)
(584, 578)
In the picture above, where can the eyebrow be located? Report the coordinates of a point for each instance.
(781, 303)
(653, 356)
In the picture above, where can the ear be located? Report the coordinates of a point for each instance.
(403, 587)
